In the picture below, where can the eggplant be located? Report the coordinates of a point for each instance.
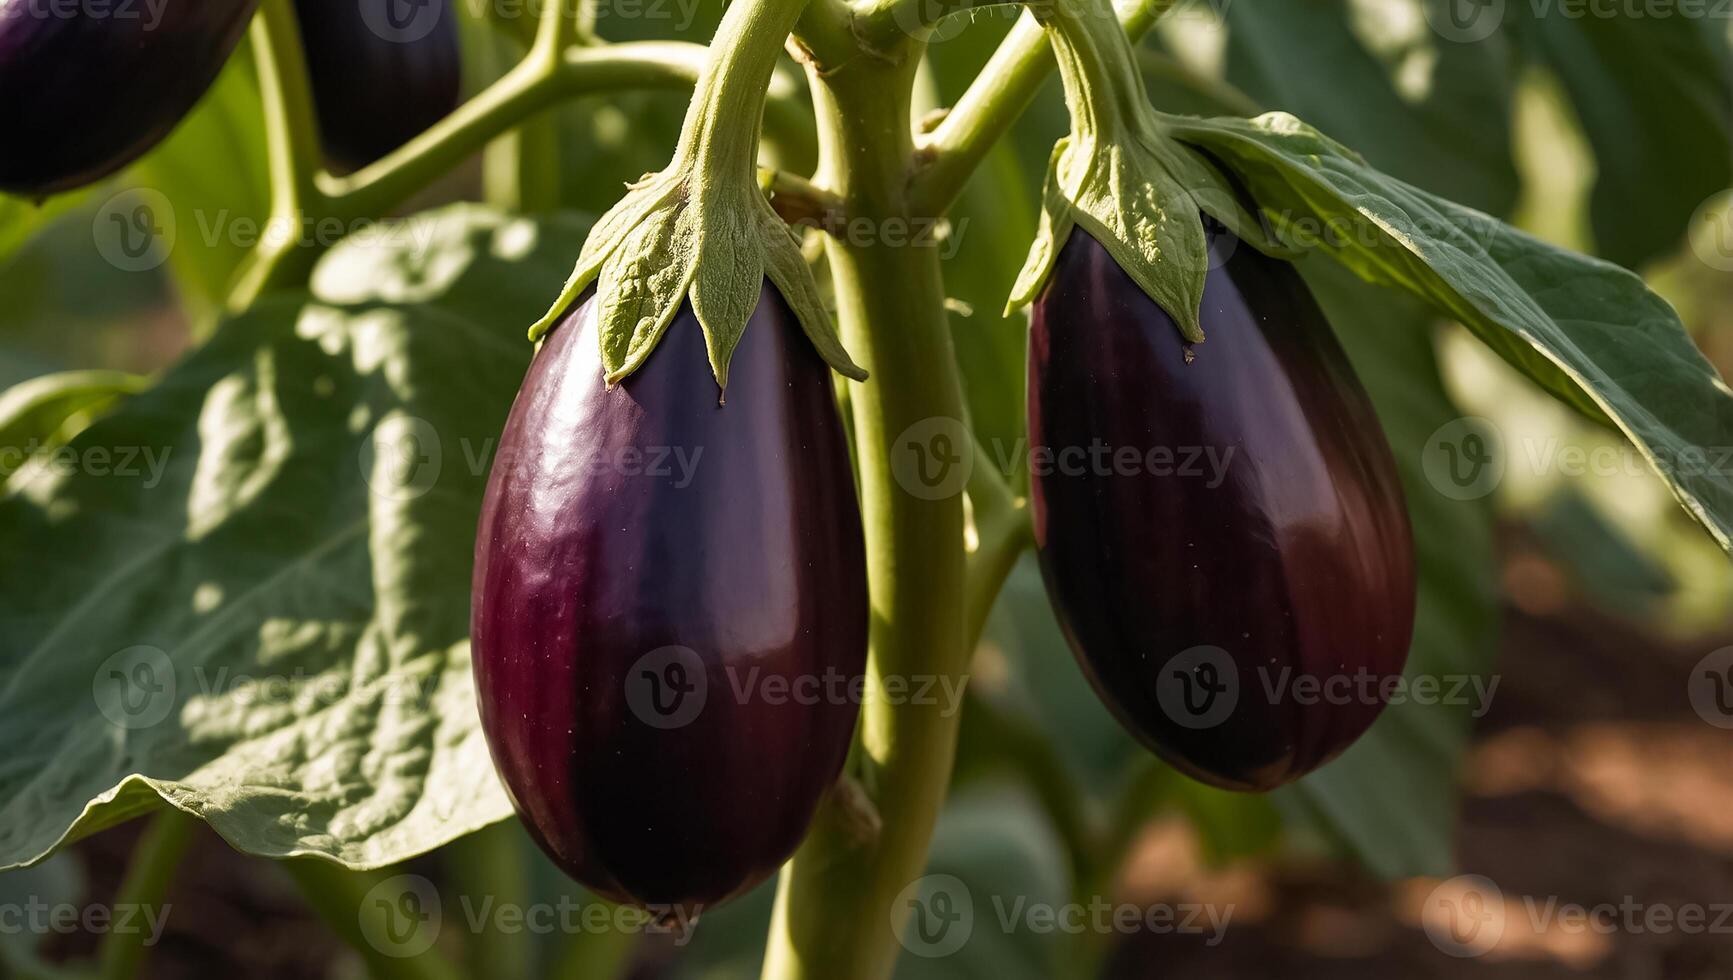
(84, 93)
(379, 80)
(669, 611)
(1220, 526)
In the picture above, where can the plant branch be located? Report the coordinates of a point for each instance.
(992, 104)
(834, 911)
(520, 93)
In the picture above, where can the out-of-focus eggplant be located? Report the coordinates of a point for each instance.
(669, 608)
(84, 93)
(1220, 526)
(383, 71)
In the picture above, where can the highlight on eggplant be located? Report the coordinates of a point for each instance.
(1205, 601)
(88, 92)
(379, 78)
(649, 563)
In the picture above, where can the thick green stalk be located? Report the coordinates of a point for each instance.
(993, 103)
(834, 914)
(721, 131)
(1098, 67)
(292, 153)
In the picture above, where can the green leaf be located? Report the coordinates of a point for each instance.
(1390, 800)
(43, 413)
(1589, 332)
(1432, 112)
(1654, 96)
(263, 621)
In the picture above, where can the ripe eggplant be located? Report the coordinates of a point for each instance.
(669, 612)
(1220, 526)
(382, 72)
(85, 92)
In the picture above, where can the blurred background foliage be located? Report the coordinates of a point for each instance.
(1606, 135)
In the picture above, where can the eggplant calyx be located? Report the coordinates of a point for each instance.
(1123, 179)
(674, 239)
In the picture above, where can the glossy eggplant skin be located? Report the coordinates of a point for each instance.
(82, 95)
(749, 555)
(1288, 550)
(377, 86)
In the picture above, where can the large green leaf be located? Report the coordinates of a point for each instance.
(262, 619)
(1654, 96)
(1589, 332)
(1432, 112)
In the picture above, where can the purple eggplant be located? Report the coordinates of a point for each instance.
(1220, 526)
(85, 92)
(382, 72)
(669, 613)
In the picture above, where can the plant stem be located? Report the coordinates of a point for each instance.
(726, 115)
(292, 154)
(834, 903)
(993, 102)
(155, 859)
(525, 90)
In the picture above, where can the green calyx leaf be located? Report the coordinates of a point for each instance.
(1120, 177)
(675, 239)
(1142, 197)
